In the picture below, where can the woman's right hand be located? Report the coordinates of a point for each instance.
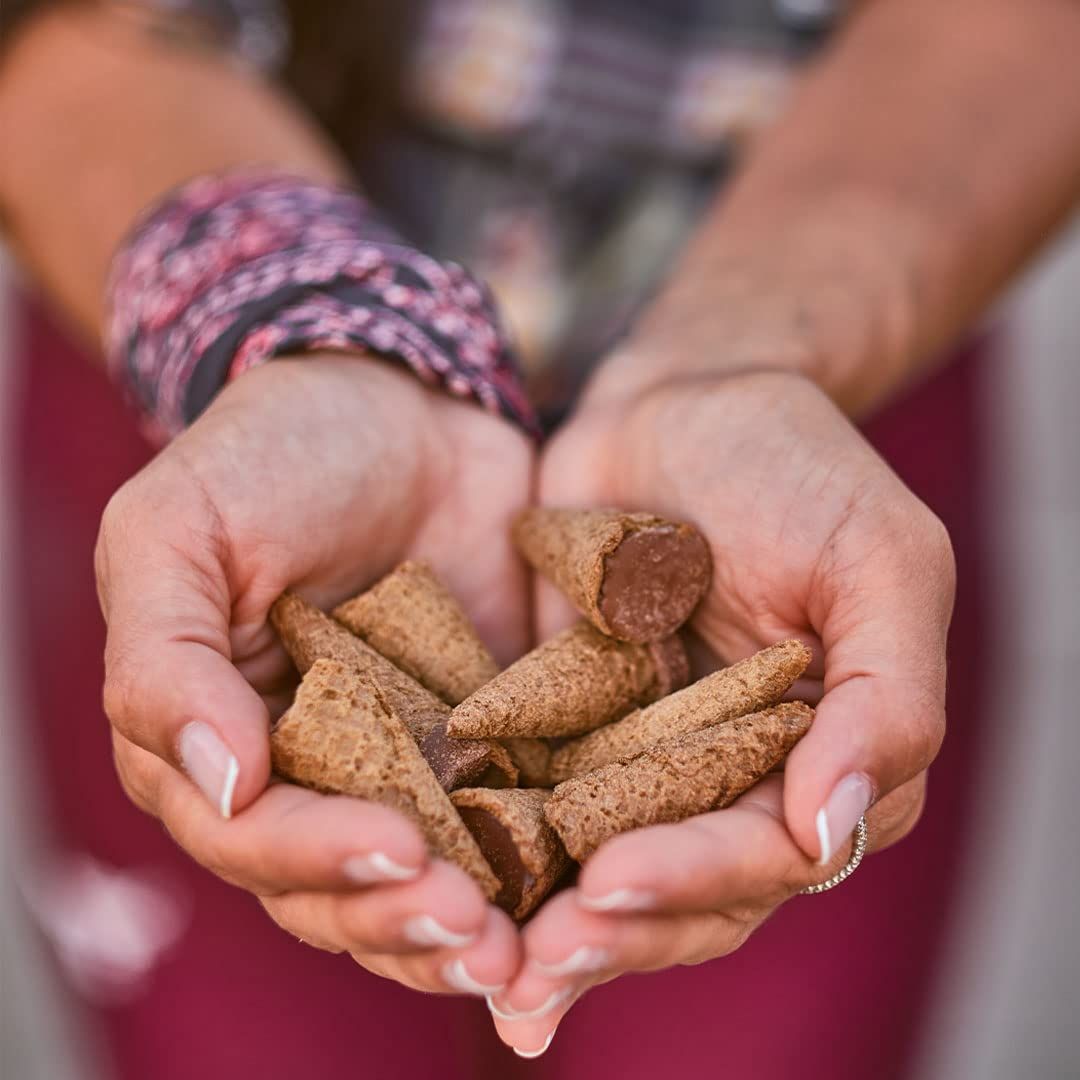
(317, 473)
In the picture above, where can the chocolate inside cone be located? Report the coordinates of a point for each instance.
(413, 620)
(748, 686)
(653, 580)
(636, 577)
(516, 840)
(309, 635)
(341, 736)
(673, 780)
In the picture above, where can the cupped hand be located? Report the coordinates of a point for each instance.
(317, 473)
(814, 537)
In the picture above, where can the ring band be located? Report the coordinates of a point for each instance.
(858, 850)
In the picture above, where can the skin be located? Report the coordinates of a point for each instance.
(194, 550)
(865, 231)
(866, 580)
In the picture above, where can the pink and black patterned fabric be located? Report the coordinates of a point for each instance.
(232, 270)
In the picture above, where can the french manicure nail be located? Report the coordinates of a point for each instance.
(210, 765)
(426, 930)
(457, 976)
(585, 959)
(375, 867)
(536, 1053)
(836, 820)
(555, 998)
(618, 900)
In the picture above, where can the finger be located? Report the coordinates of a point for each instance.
(569, 949)
(487, 966)
(170, 686)
(884, 619)
(441, 909)
(288, 839)
(740, 856)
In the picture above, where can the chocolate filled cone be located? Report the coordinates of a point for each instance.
(636, 577)
(341, 736)
(673, 780)
(412, 619)
(517, 842)
(532, 759)
(751, 684)
(574, 682)
(309, 635)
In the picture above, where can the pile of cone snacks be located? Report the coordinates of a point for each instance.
(517, 775)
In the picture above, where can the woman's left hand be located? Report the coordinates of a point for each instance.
(812, 536)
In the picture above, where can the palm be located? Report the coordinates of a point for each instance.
(774, 514)
(329, 496)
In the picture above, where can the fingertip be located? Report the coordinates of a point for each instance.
(487, 966)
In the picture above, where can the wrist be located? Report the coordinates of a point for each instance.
(823, 289)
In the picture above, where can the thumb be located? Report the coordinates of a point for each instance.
(882, 718)
(170, 685)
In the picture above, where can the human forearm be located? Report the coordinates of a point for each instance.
(926, 156)
(97, 119)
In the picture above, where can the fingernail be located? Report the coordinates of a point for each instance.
(374, 867)
(457, 976)
(536, 1053)
(836, 820)
(426, 930)
(555, 998)
(210, 764)
(585, 959)
(618, 900)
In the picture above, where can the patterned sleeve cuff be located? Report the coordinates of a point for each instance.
(232, 270)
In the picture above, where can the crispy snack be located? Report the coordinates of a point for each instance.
(518, 843)
(412, 619)
(752, 684)
(673, 780)
(636, 577)
(309, 635)
(574, 682)
(342, 736)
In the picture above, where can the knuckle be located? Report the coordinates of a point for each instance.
(360, 930)
(215, 855)
(926, 735)
(133, 781)
(286, 914)
(117, 697)
(897, 814)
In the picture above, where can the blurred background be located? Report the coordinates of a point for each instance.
(116, 952)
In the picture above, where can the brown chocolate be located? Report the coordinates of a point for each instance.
(498, 848)
(342, 736)
(309, 635)
(516, 840)
(412, 619)
(574, 682)
(676, 779)
(752, 684)
(636, 577)
(462, 762)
